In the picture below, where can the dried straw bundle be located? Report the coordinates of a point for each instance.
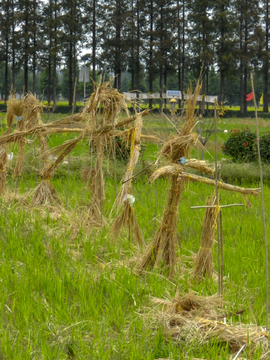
(3, 148)
(166, 171)
(191, 106)
(42, 142)
(61, 151)
(19, 111)
(21, 148)
(14, 107)
(178, 146)
(127, 219)
(32, 107)
(95, 97)
(10, 111)
(193, 317)
(50, 129)
(190, 305)
(200, 165)
(162, 247)
(150, 138)
(98, 185)
(75, 120)
(112, 103)
(204, 259)
(134, 157)
(246, 191)
(3, 161)
(206, 330)
(45, 194)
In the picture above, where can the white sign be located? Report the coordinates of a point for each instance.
(84, 74)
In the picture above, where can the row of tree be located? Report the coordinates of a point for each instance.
(152, 40)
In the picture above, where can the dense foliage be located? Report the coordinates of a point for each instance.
(151, 45)
(241, 145)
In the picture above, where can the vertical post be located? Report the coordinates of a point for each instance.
(217, 202)
(262, 202)
(221, 254)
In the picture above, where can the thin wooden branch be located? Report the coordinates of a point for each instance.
(262, 201)
(211, 207)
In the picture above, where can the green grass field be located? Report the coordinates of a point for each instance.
(69, 292)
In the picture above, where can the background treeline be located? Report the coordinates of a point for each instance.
(151, 45)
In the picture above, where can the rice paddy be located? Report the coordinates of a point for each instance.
(70, 291)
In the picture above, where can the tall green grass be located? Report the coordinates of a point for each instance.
(69, 292)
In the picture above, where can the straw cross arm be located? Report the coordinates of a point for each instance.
(221, 185)
(168, 170)
(177, 169)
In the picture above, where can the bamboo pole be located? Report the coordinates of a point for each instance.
(262, 201)
(211, 207)
(217, 203)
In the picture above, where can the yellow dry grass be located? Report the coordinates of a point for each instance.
(204, 260)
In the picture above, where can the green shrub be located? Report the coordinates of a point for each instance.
(240, 145)
(264, 147)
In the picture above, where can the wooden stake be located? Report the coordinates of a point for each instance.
(155, 215)
(217, 202)
(221, 253)
(262, 202)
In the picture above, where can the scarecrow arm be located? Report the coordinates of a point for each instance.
(221, 185)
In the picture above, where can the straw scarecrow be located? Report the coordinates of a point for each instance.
(163, 246)
(109, 102)
(14, 107)
(127, 218)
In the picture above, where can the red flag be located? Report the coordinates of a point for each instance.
(249, 96)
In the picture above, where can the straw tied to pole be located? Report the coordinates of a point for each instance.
(162, 249)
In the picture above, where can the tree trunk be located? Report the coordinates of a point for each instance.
(50, 55)
(26, 49)
(6, 69)
(160, 87)
(94, 41)
(242, 95)
(245, 66)
(34, 52)
(54, 82)
(138, 51)
(74, 73)
(132, 48)
(151, 77)
(266, 61)
(70, 72)
(161, 59)
(55, 57)
(183, 52)
(13, 46)
(222, 72)
(179, 50)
